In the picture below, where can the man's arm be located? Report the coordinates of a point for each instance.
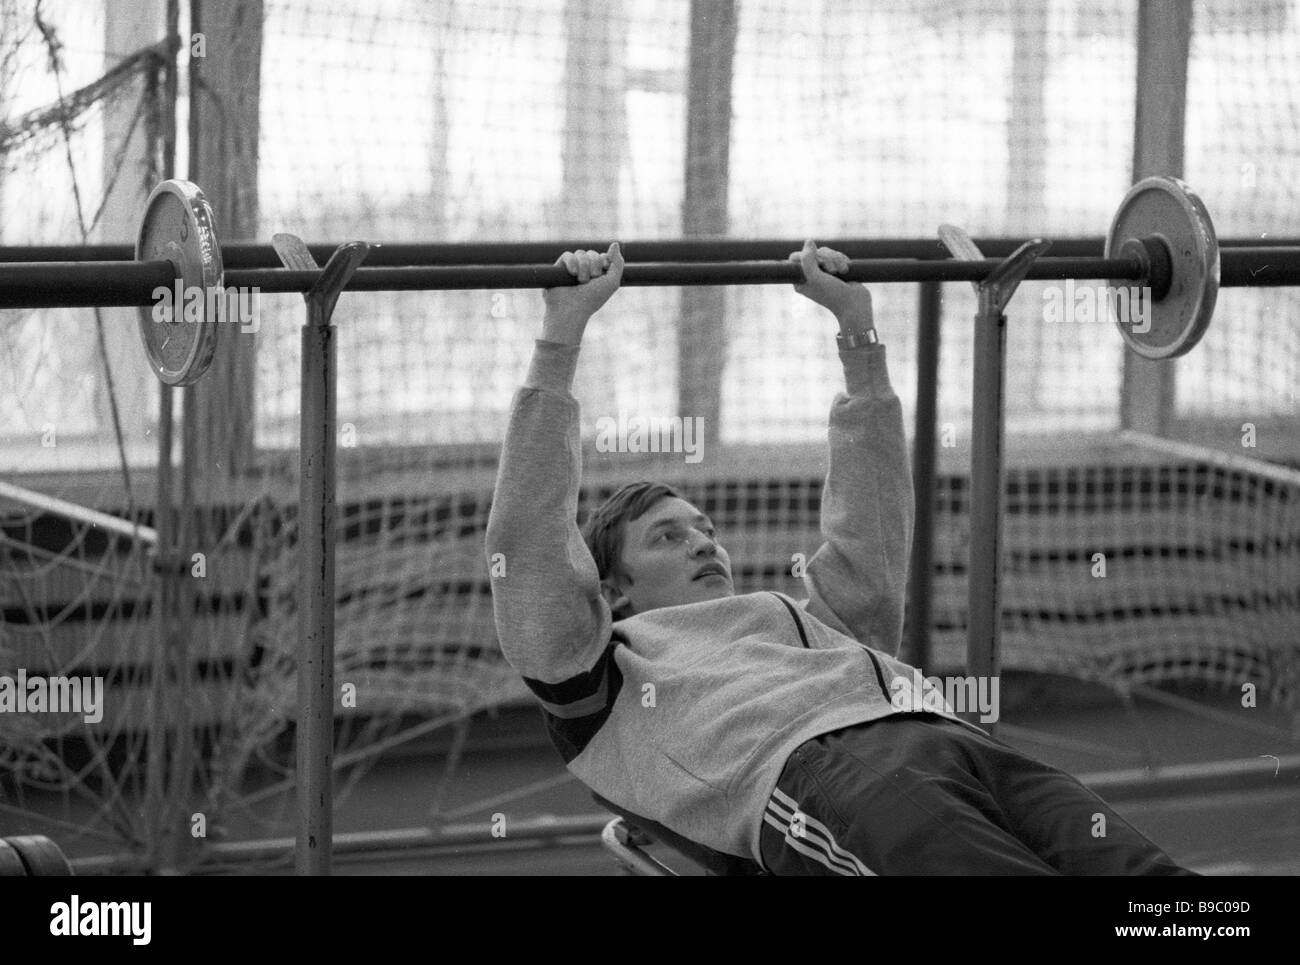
(552, 621)
(857, 580)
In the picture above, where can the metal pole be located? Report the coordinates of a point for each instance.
(929, 311)
(130, 529)
(318, 419)
(315, 737)
(983, 587)
(984, 611)
(164, 562)
(181, 600)
(163, 555)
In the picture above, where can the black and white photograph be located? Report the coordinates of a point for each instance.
(650, 438)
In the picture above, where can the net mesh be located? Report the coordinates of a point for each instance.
(845, 124)
(1242, 147)
(1145, 563)
(504, 120)
(73, 595)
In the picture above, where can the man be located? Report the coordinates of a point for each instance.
(756, 725)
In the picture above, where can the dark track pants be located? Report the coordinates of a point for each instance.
(915, 793)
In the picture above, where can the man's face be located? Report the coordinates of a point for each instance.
(670, 557)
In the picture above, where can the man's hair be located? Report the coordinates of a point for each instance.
(604, 529)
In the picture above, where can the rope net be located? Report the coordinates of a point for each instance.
(74, 596)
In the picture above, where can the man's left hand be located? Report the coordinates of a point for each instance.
(848, 301)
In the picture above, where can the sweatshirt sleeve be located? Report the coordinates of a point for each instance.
(553, 623)
(857, 580)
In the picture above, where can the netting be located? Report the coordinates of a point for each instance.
(74, 595)
(79, 146)
(72, 115)
(1243, 152)
(1143, 563)
(1157, 565)
(848, 121)
(71, 609)
(511, 120)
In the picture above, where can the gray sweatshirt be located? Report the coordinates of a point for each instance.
(686, 714)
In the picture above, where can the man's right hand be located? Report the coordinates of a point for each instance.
(570, 307)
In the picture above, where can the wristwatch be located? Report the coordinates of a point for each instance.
(856, 339)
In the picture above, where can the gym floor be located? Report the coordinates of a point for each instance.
(1252, 831)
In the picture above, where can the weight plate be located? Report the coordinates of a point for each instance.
(42, 856)
(1167, 209)
(11, 866)
(180, 336)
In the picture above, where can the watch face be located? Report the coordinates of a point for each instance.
(180, 328)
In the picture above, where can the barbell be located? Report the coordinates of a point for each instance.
(1161, 241)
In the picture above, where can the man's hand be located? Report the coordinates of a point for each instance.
(849, 302)
(569, 308)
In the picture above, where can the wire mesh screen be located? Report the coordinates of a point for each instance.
(74, 105)
(888, 121)
(80, 103)
(488, 120)
(1243, 151)
(511, 121)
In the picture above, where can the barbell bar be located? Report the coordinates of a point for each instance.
(1161, 239)
(129, 283)
(126, 283)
